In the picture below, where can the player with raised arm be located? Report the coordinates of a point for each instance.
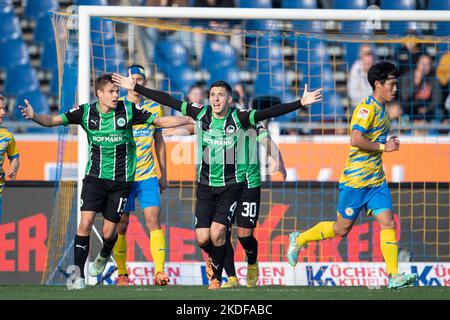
(147, 186)
(363, 182)
(221, 174)
(111, 165)
(8, 147)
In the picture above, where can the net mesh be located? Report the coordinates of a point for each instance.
(267, 61)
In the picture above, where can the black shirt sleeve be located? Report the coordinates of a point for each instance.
(141, 115)
(251, 117)
(74, 115)
(159, 96)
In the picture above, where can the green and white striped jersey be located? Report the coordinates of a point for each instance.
(221, 144)
(112, 150)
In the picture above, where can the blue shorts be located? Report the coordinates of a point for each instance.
(147, 193)
(375, 200)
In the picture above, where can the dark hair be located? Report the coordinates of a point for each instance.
(381, 72)
(103, 81)
(222, 84)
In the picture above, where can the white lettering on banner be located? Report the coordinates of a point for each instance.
(281, 273)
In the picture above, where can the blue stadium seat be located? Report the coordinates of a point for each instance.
(254, 3)
(218, 54)
(90, 2)
(170, 54)
(299, 4)
(101, 29)
(442, 28)
(438, 5)
(20, 78)
(311, 53)
(264, 25)
(182, 77)
(43, 31)
(398, 5)
(320, 77)
(13, 52)
(331, 109)
(34, 9)
(350, 4)
(229, 74)
(266, 55)
(9, 25)
(274, 83)
(36, 99)
(398, 28)
(49, 57)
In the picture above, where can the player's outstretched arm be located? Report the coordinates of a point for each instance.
(357, 139)
(186, 130)
(42, 119)
(172, 121)
(281, 109)
(155, 95)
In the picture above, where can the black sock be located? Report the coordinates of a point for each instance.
(108, 246)
(207, 248)
(229, 257)
(250, 245)
(81, 252)
(218, 258)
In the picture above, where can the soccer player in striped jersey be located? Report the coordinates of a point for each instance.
(7, 147)
(146, 187)
(247, 211)
(363, 182)
(111, 166)
(221, 173)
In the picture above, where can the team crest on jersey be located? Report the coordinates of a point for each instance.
(230, 129)
(349, 211)
(363, 113)
(121, 122)
(139, 107)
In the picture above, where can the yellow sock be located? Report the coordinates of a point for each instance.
(158, 249)
(120, 254)
(389, 248)
(320, 231)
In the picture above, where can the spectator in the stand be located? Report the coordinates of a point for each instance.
(420, 93)
(399, 121)
(240, 97)
(196, 94)
(443, 75)
(357, 85)
(409, 52)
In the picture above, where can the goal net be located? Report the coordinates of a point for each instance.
(267, 61)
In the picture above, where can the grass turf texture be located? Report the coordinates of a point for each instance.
(18, 292)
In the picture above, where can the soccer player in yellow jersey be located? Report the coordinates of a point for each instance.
(363, 183)
(146, 187)
(8, 146)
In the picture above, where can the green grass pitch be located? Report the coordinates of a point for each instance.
(20, 292)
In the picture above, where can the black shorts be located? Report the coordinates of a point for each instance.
(105, 196)
(216, 204)
(247, 212)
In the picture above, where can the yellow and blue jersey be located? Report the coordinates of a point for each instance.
(364, 168)
(8, 147)
(143, 137)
